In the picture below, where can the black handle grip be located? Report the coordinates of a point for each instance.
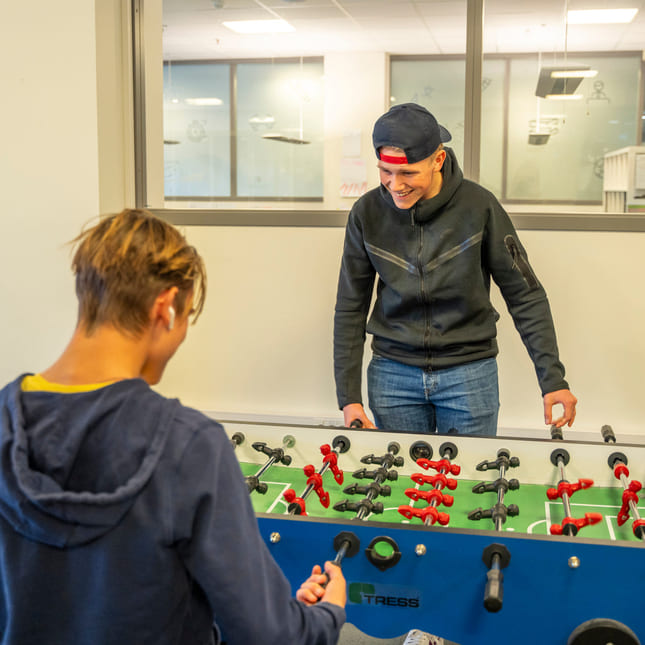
(494, 590)
(608, 434)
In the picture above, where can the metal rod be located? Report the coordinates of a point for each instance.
(499, 523)
(266, 466)
(340, 554)
(565, 497)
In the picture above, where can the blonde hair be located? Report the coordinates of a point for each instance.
(125, 261)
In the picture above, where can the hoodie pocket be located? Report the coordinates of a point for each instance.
(520, 262)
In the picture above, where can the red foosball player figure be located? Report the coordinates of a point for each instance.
(315, 479)
(629, 495)
(332, 457)
(290, 496)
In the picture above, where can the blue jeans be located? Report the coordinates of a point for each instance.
(464, 399)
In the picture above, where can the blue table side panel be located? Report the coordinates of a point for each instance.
(544, 599)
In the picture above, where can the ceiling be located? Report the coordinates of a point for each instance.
(193, 28)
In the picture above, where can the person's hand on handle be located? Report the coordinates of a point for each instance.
(329, 586)
(568, 402)
(353, 412)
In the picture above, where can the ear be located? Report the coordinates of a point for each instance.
(439, 159)
(163, 310)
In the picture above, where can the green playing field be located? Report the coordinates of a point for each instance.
(536, 512)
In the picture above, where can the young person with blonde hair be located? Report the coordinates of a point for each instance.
(124, 516)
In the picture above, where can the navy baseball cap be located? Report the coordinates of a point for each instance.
(412, 128)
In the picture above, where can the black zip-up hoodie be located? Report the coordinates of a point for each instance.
(434, 264)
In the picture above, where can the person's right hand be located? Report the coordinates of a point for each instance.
(326, 587)
(353, 411)
(568, 402)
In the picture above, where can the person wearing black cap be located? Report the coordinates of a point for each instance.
(433, 240)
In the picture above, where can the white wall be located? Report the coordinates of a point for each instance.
(48, 172)
(264, 343)
(594, 285)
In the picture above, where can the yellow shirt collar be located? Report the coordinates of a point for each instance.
(36, 383)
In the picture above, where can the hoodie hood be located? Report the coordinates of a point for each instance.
(425, 209)
(72, 465)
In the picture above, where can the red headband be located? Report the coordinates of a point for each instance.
(391, 159)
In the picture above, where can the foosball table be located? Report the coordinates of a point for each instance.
(481, 540)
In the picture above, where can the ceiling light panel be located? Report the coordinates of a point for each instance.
(258, 26)
(548, 84)
(574, 73)
(600, 16)
(563, 97)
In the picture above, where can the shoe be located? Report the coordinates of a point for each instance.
(417, 637)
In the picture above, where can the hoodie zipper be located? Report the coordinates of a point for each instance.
(520, 262)
(425, 301)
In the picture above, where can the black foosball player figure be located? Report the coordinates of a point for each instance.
(124, 516)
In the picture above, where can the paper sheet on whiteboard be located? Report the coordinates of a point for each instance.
(352, 144)
(353, 177)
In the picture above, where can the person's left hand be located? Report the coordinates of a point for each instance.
(568, 402)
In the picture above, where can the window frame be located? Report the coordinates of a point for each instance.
(233, 64)
(534, 220)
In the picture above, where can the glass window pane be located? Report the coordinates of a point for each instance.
(325, 81)
(555, 132)
(491, 165)
(280, 129)
(226, 153)
(196, 130)
(556, 147)
(437, 84)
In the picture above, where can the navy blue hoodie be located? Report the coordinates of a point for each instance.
(125, 519)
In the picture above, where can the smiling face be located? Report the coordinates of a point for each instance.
(410, 183)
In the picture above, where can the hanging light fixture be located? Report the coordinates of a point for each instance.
(561, 81)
